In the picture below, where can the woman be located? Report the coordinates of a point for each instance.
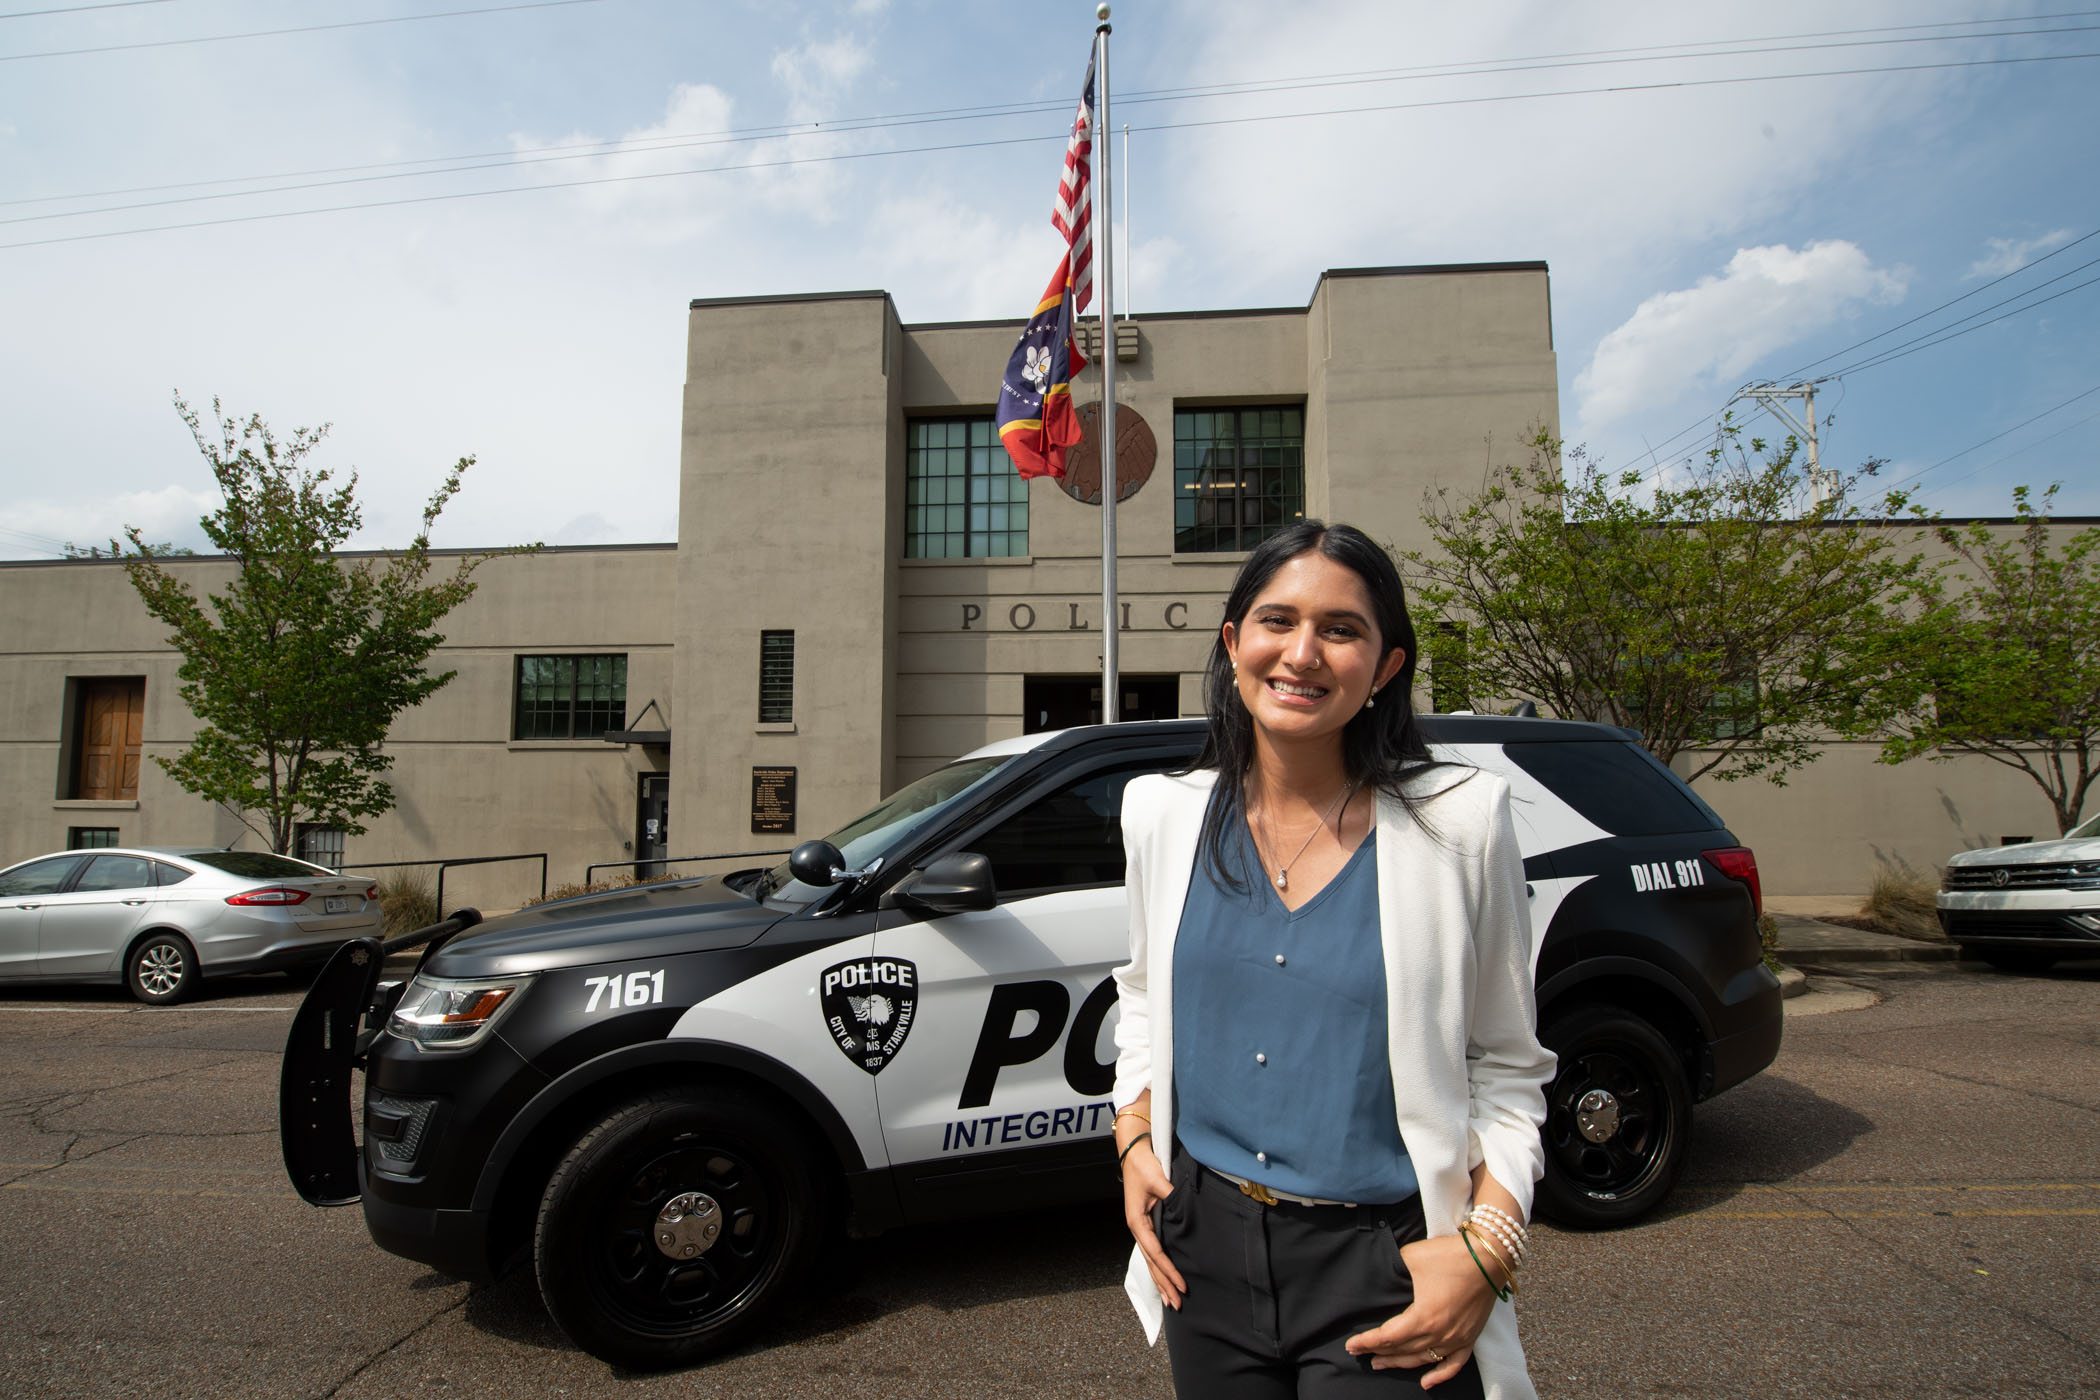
(1328, 1086)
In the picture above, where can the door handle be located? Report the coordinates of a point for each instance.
(134, 901)
(29, 906)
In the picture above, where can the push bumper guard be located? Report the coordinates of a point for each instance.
(344, 1010)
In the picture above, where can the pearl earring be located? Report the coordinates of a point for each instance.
(1371, 700)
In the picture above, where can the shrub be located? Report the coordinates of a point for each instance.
(407, 901)
(1903, 902)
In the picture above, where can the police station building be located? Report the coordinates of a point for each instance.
(862, 589)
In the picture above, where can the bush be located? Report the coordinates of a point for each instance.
(1768, 938)
(407, 901)
(1904, 902)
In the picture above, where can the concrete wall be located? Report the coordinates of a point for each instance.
(790, 496)
(464, 787)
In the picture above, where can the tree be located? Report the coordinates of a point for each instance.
(1719, 615)
(299, 665)
(2006, 663)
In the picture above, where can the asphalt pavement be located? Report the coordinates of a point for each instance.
(1906, 1204)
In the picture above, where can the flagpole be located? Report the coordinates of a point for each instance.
(1104, 253)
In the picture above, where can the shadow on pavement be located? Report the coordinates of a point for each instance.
(950, 1268)
(1765, 1131)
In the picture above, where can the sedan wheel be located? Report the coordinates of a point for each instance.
(1618, 1119)
(161, 969)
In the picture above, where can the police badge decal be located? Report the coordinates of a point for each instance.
(868, 1006)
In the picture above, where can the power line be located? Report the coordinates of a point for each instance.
(76, 9)
(1927, 343)
(1026, 140)
(1996, 436)
(672, 141)
(1997, 461)
(1934, 311)
(301, 29)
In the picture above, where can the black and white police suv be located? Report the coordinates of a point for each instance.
(672, 1096)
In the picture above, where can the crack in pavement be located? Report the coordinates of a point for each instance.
(395, 1345)
(2079, 1345)
(1983, 1083)
(36, 1111)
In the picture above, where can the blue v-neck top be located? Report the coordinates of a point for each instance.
(1281, 1069)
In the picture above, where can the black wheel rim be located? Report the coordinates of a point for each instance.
(1628, 1159)
(651, 1292)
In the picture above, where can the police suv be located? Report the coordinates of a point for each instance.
(671, 1097)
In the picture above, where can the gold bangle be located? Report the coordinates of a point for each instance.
(1509, 1270)
(1126, 1113)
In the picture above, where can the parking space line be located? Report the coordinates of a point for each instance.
(1835, 1214)
(85, 1189)
(1809, 1190)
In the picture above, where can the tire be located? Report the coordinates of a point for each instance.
(2027, 960)
(605, 1279)
(1637, 1133)
(162, 969)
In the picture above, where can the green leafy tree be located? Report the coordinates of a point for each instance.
(2002, 660)
(1721, 613)
(299, 665)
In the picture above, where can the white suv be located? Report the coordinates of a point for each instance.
(2023, 908)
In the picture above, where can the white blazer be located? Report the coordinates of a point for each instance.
(1469, 1073)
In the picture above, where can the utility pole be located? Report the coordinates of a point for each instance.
(1820, 487)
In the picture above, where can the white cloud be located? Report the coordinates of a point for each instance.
(1707, 334)
(2012, 254)
(591, 528)
(164, 515)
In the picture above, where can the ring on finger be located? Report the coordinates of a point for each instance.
(1435, 1355)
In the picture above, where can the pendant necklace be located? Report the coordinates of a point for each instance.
(1283, 870)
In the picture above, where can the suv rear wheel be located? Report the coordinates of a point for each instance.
(674, 1226)
(1618, 1119)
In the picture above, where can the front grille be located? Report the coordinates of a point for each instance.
(414, 1115)
(2058, 875)
(1964, 923)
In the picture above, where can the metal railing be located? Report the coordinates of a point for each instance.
(449, 862)
(591, 870)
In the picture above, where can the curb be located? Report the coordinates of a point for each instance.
(1889, 952)
(1792, 982)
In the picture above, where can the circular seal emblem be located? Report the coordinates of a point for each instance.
(1136, 452)
(2001, 877)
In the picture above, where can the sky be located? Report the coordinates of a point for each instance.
(454, 227)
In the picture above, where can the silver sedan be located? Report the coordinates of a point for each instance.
(159, 918)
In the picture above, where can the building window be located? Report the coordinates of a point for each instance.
(108, 721)
(962, 497)
(1239, 476)
(319, 845)
(570, 697)
(90, 838)
(776, 677)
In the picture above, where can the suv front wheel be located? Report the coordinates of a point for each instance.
(675, 1225)
(1618, 1119)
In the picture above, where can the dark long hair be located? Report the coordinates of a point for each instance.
(1382, 746)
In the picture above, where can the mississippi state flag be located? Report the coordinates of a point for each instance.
(1036, 421)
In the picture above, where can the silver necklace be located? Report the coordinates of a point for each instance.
(1283, 870)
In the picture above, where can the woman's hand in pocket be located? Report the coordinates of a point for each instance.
(1145, 1185)
(1452, 1304)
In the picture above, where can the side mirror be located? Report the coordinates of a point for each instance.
(816, 863)
(955, 883)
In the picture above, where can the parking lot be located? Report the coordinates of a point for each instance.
(1906, 1204)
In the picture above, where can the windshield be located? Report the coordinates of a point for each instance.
(2089, 827)
(256, 865)
(902, 813)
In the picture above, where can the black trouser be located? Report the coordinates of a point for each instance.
(1274, 1291)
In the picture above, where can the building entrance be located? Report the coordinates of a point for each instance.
(652, 824)
(1060, 702)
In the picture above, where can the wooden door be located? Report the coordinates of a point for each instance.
(112, 721)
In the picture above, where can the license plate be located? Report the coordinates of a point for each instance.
(339, 904)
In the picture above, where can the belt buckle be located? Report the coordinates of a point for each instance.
(1258, 1192)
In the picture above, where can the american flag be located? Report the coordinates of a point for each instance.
(1073, 214)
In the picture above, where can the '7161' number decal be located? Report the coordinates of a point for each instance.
(635, 989)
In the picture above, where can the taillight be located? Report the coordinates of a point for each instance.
(275, 894)
(371, 891)
(1739, 863)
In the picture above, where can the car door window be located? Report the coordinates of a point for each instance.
(38, 877)
(116, 873)
(1067, 839)
(166, 874)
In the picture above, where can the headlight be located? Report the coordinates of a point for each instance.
(439, 1013)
